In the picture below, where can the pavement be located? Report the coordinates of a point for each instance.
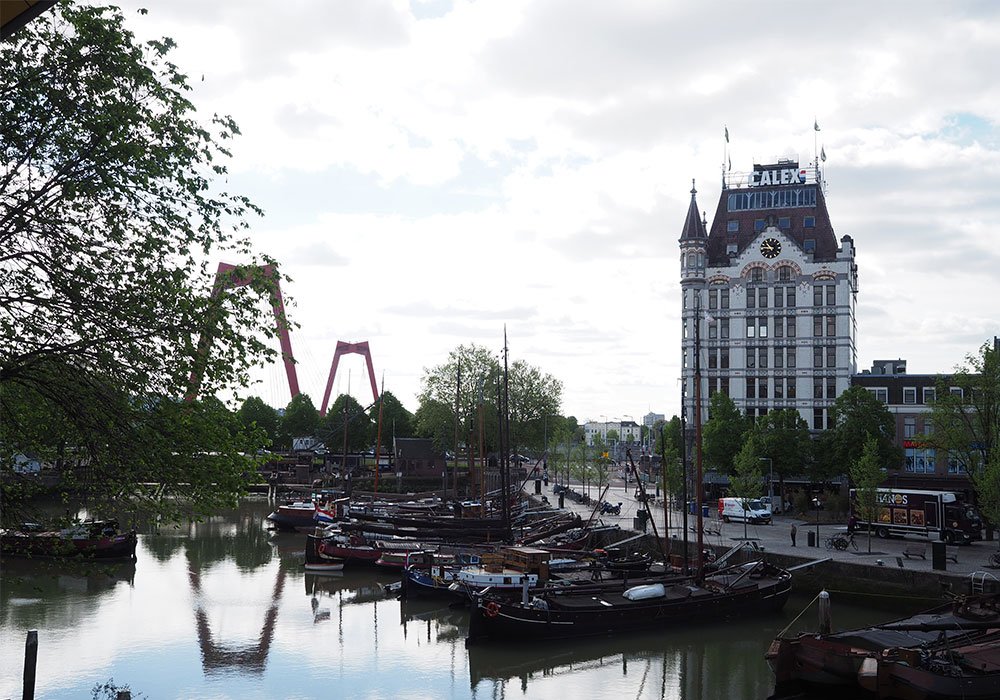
(776, 537)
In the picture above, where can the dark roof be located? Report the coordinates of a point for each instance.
(719, 237)
(694, 227)
(414, 448)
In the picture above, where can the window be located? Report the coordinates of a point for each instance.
(790, 387)
(809, 245)
(751, 388)
(724, 328)
(817, 387)
(909, 395)
(809, 222)
(790, 326)
(712, 359)
(790, 358)
(831, 387)
(732, 226)
(920, 460)
(758, 225)
(762, 297)
(817, 357)
(779, 327)
(817, 419)
(762, 389)
(955, 466)
(831, 295)
(779, 388)
(713, 298)
(756, 275)
(784, 223)
(762, 328)
(724, 385)
(779, 297)
(831, 326)
(956, 391)
(713, 329)
(909, 427)
(929, 394)
(751, 358)
(881, 394)
(790, 297)
(784, 273)
(724, 358)
(779, 358)
(751, 299)
(724, 298)
(818, 295)
(762, 358)
(751, 326)
(831, 356)
(817, 326)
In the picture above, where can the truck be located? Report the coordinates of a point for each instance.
(750, 509)
(938, 515)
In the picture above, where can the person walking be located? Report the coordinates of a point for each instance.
(793, 534)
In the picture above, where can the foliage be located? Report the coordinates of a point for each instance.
(346, 426)
(722, 436)
(987, 483)
(968, 425)
(867, 474)
(396, 420)
(782, 437)
(301, 419)
(746, 480)
(534, 398)
(255, 413)
(857, 415)
(108, 218)
(673, 468)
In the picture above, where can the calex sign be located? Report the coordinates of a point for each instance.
(780, 176)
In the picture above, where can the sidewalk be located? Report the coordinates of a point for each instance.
(776, 537)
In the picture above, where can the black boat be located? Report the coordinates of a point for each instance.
(749, 588)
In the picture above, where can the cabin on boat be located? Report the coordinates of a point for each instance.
(417, 457)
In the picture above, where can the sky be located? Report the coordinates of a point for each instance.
(433, 171)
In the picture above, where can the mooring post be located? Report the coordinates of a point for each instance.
(825, 617)
(30, 659)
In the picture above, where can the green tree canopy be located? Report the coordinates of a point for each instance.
(782, 437)
(110, 214)
(746, 480)
(857, 415)
(436, 421)
(867, 473)
(396, 420)
(254, 413)
(301, 419)
(722, 436)
(347, 420)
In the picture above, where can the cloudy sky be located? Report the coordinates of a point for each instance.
(432, 170)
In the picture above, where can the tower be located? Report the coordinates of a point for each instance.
(774, 293)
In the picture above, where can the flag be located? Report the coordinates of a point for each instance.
(727, 133)
(323, 516)
(815, 125)
(822, 153)
(730, 164)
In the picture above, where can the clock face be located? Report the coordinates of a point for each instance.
(770, 247)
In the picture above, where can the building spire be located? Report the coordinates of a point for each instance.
(694, 227)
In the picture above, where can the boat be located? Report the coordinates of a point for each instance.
(98, 540)
(605, 608)
(951, 651)
(332, 543)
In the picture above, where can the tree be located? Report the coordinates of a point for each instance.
(782, 437)
(723, 434)
(346, 423)
(109, 217)
(435, 420)
(857, 415)
(987, 483)
(396, 420)
(254, 413)
(867, 474)
(301, 419)
(745, 483)
(967, 424)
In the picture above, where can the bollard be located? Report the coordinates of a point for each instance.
(30, 661)
(825, 618)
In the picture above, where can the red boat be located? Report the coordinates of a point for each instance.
(101, 540)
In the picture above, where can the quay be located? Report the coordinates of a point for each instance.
(894, 567)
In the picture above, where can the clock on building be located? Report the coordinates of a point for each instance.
(770, 248)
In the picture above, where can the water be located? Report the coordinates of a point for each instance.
(223, 609)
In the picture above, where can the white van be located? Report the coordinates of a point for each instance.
(755, 511)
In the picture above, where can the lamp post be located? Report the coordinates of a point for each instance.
(770, 479)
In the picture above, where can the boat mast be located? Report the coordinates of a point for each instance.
(378, 432)
(505, 442)
(697, 432)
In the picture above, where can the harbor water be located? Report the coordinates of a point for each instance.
(223, 609)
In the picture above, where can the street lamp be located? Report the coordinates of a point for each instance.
(770, 479)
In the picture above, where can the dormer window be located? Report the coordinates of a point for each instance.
(758, 224)
(809, 222)
(809, 245)
(732, 226)
(784, 223)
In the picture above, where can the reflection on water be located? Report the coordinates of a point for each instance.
(223, 609)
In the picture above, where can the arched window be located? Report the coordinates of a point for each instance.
(756, 275)
(784, 273)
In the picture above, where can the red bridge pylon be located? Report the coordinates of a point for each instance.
(347, 349)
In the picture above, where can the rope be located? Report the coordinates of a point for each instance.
(809, 605)
(884, 595)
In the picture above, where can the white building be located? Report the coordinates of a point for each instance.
(769, 296)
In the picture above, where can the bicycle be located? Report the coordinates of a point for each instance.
(841, 542)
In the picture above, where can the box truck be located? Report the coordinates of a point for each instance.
(939, 515)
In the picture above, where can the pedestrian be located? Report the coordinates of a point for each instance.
(793, 534)
(852, 523)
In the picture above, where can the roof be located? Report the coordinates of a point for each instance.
(694, 226)
(14, 14)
